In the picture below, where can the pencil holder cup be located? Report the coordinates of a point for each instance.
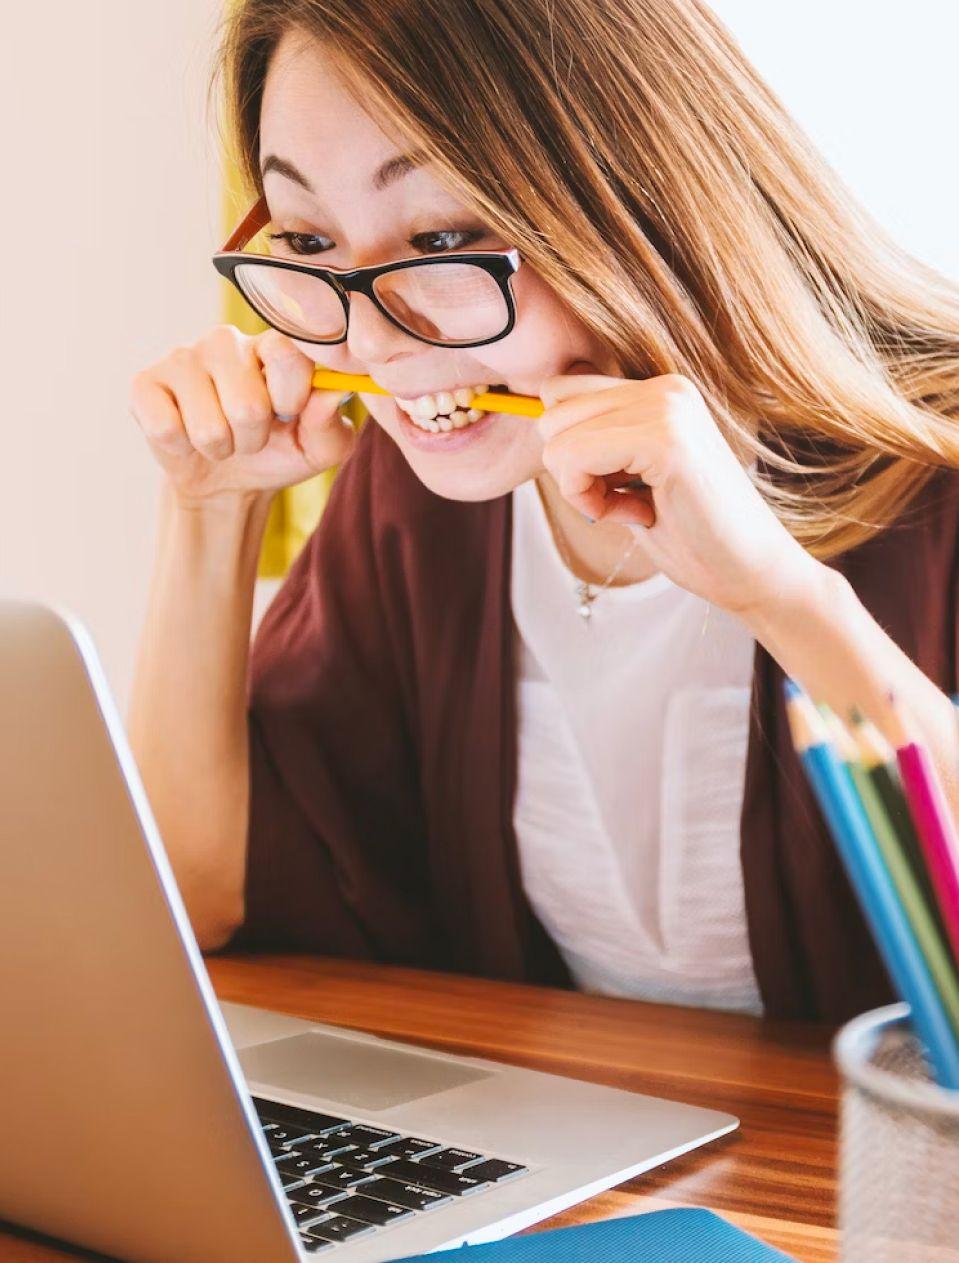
(898, 1147)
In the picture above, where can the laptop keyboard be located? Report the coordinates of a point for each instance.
(344, 1179)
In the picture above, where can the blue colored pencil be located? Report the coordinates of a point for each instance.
(873, 885)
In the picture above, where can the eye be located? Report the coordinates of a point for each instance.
(448, 239)
(302, 242)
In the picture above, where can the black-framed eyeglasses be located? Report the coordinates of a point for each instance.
(457, 300)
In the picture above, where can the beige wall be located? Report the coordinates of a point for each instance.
(111, 211)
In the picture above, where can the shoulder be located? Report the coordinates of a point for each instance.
(921, 541)
(906, 576)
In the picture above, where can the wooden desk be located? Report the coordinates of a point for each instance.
(775, 1177)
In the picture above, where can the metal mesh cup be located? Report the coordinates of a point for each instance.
(899, 1147)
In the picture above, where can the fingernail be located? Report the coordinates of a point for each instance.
(286, 417)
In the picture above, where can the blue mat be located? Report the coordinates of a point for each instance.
(662, 1236)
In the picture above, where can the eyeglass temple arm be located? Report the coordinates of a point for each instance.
(248, 227)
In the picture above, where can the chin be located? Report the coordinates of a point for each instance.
(465, 485)
(483, 462)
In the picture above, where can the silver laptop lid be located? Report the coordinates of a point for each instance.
(126, 1126)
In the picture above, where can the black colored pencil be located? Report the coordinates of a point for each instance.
(879, 760)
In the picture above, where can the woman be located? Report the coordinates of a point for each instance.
(516, 710)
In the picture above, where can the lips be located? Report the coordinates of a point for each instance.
(449, 440)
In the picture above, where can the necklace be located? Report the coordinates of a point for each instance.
(584, 592)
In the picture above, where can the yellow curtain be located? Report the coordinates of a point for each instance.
(296, 510)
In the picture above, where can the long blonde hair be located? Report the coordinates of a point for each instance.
(636, 159)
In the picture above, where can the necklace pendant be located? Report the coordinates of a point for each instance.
(585, 607)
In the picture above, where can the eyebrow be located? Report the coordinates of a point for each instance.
(392, 170)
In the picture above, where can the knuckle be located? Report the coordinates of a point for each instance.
(250, 414)
(677, 389)
(168, 435)
(223, 337)
(278, 347)
(215, 444)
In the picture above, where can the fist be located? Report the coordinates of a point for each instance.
(237, 413)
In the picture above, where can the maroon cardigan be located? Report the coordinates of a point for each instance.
(383, 748)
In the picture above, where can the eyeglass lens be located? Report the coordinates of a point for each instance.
(446, 302)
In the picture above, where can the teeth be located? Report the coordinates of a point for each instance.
(444, 411)
(425, 407)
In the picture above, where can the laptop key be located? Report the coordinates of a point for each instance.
(365, 1136)
(289, 1181)
(327, 1147)
(407, 1147)
(294, 1115)
(341, 1177)
(433, 1177)
(452, 1159)
(362, 1157)
(294, 1164)
(409, 1195)
(288, 1135)
(372, 1212)
(303, 1216)
(314, 1245)
(313, 1195)
(495, 1169)
(338, 1228)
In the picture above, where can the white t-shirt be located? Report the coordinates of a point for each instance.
(632, 750)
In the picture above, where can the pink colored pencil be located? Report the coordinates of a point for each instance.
(933, 821)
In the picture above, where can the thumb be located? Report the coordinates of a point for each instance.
(324, 435)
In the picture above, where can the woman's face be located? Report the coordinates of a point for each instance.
(324, 151)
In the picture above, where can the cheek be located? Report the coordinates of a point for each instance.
(546, 337)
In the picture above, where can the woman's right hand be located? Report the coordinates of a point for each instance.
(211, 415)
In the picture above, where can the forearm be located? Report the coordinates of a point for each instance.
(187, 714)
(822, 635)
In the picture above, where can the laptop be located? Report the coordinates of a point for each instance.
(144, 1120)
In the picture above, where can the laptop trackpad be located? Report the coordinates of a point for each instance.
(350, 1071)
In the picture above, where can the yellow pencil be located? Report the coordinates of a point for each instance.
(518, 405)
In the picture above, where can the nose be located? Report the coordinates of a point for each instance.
(372, 338)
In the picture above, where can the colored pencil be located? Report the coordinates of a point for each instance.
(491, 401)
(932, 818)
(879, 759)
(917, 907)
(873, 886)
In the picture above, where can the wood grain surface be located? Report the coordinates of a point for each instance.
(775, 1177)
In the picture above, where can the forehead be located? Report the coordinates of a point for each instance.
(310, 116)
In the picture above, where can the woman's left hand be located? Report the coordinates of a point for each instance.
(707, 527)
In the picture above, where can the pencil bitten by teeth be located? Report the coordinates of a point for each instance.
(488, 401)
